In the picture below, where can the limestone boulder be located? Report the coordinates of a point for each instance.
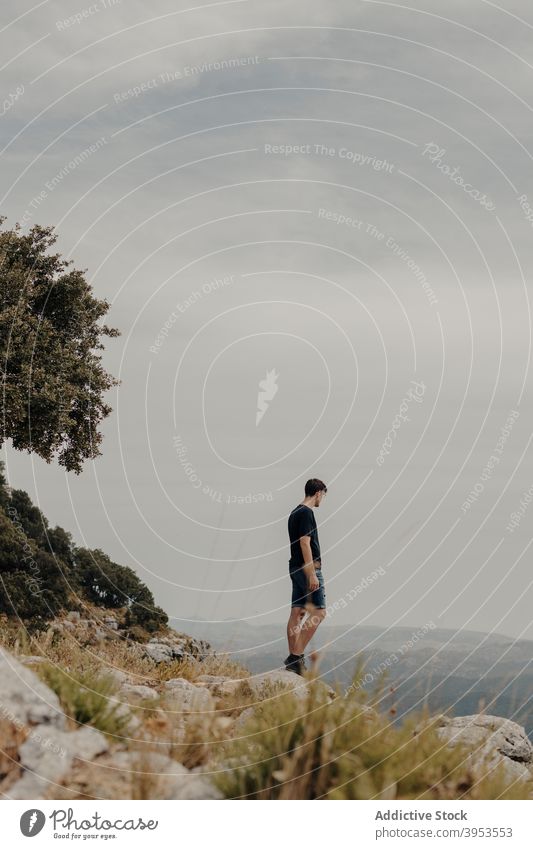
(188, 696)
(25, 700)
(222, 685)
(138, 692)
(47, 755)
(162, 652)
(174, 646)
(492, 740)
(267, 683)
(127, 775)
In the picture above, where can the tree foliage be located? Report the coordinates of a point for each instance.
(53, 381)
(112, 585)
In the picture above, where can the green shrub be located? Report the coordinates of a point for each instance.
(29, 517)
(35, 593)
(12, 543)
(86, 698)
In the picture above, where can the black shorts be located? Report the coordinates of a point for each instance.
(300, 590)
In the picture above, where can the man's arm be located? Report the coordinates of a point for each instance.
(308, 565)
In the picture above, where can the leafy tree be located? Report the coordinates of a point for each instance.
(53, 381)
(11, 545)
(59, 543)
(30, 518)
(143, 612)
(4, 489)
(111, 585)
(35, 592)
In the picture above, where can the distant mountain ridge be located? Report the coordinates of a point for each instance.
(461, 672)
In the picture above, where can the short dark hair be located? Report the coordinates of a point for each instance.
(315, 485)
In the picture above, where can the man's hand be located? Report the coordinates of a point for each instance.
(313, 582)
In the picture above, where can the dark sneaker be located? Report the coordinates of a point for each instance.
(295, 663)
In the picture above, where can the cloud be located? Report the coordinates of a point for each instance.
(283, 143)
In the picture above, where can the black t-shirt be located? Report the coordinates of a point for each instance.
(301, 523)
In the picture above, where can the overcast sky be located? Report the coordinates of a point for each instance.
(330, 197)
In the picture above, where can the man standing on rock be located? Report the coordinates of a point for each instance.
(305, 570)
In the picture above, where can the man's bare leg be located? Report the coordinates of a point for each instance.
(307, 629)
(293, 627)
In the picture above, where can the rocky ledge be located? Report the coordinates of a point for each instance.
(44, 754)
(492, 740)
(107, 628)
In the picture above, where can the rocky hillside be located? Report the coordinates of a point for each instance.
(107, 726)
(42, 572)
(88, 712)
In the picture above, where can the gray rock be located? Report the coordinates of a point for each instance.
(179, 684)
(138, 691)
(492, 740)
(514, 770)
(85, 744)
(183, 645)
(221, 685)
(47, 756)
(74, 616)
(162, 652)
(262, 685)
(25, 700)
(169, 779)
(118, 675)
(193, 786)
(111, 623)
(188, 696)
(132, 723)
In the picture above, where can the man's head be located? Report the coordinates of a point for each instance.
(315, 490)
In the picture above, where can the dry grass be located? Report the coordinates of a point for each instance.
(67, 653)
(71, 651)
(202, 735)
(12, 735)
(86, 698)
(311, 749)
(214, 664)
